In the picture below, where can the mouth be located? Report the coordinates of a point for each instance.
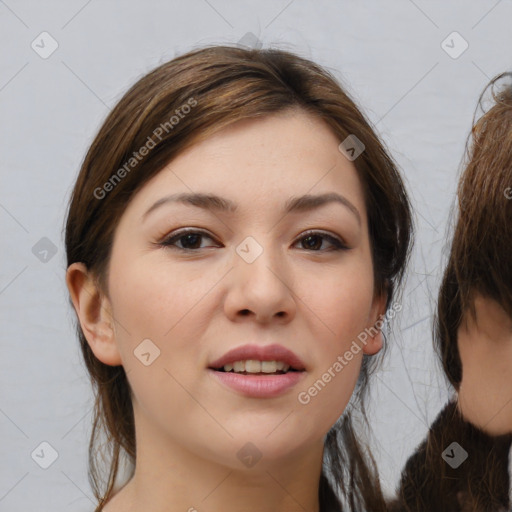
(254, 367)
(277, 372)
(259, 371)
(257, 359)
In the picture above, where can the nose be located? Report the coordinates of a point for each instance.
(261, 290)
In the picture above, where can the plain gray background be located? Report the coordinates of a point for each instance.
(419, 92)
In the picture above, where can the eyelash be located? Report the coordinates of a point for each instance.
(169, 242)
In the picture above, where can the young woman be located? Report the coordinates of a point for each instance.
(464, 462)
(235, 237)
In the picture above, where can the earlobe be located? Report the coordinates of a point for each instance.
(375, 339)
(94, 314)
(374, 343)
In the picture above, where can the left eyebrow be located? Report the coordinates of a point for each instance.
(294, 204)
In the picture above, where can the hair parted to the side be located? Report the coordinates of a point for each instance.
(227, 83)
(479, 259)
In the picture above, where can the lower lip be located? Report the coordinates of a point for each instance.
(259, 386)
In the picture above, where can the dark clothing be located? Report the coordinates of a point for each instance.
(457, 468)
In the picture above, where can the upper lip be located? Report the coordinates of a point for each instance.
(260, 353)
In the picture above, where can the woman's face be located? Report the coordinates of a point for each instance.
(251, 277)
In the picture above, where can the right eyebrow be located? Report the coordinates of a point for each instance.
(294, 204)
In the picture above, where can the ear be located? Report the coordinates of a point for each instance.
(375, 339)
(94, 313)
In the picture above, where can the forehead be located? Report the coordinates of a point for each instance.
(260, 163)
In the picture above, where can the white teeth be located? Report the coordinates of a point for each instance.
(280, 365)
(239, 366)
(269, 366)
(254, 366)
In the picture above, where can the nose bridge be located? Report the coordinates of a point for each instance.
(259, 255)
(262, 277)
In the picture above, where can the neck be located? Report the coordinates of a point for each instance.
(485, 347)
(170, 477)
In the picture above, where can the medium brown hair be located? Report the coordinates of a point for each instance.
(227, 84)
(479, 259)
(478, 262)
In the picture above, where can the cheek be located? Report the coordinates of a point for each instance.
(342, 306)
(152, 300)
(341, 301)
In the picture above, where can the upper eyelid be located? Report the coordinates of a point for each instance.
(311, 231)
(185, 231)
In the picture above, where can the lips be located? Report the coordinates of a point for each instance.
(259, 353)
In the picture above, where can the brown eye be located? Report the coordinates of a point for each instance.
(190, 240)
(313, 240)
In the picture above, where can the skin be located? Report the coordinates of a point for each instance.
(485, 347)
(195, 307)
